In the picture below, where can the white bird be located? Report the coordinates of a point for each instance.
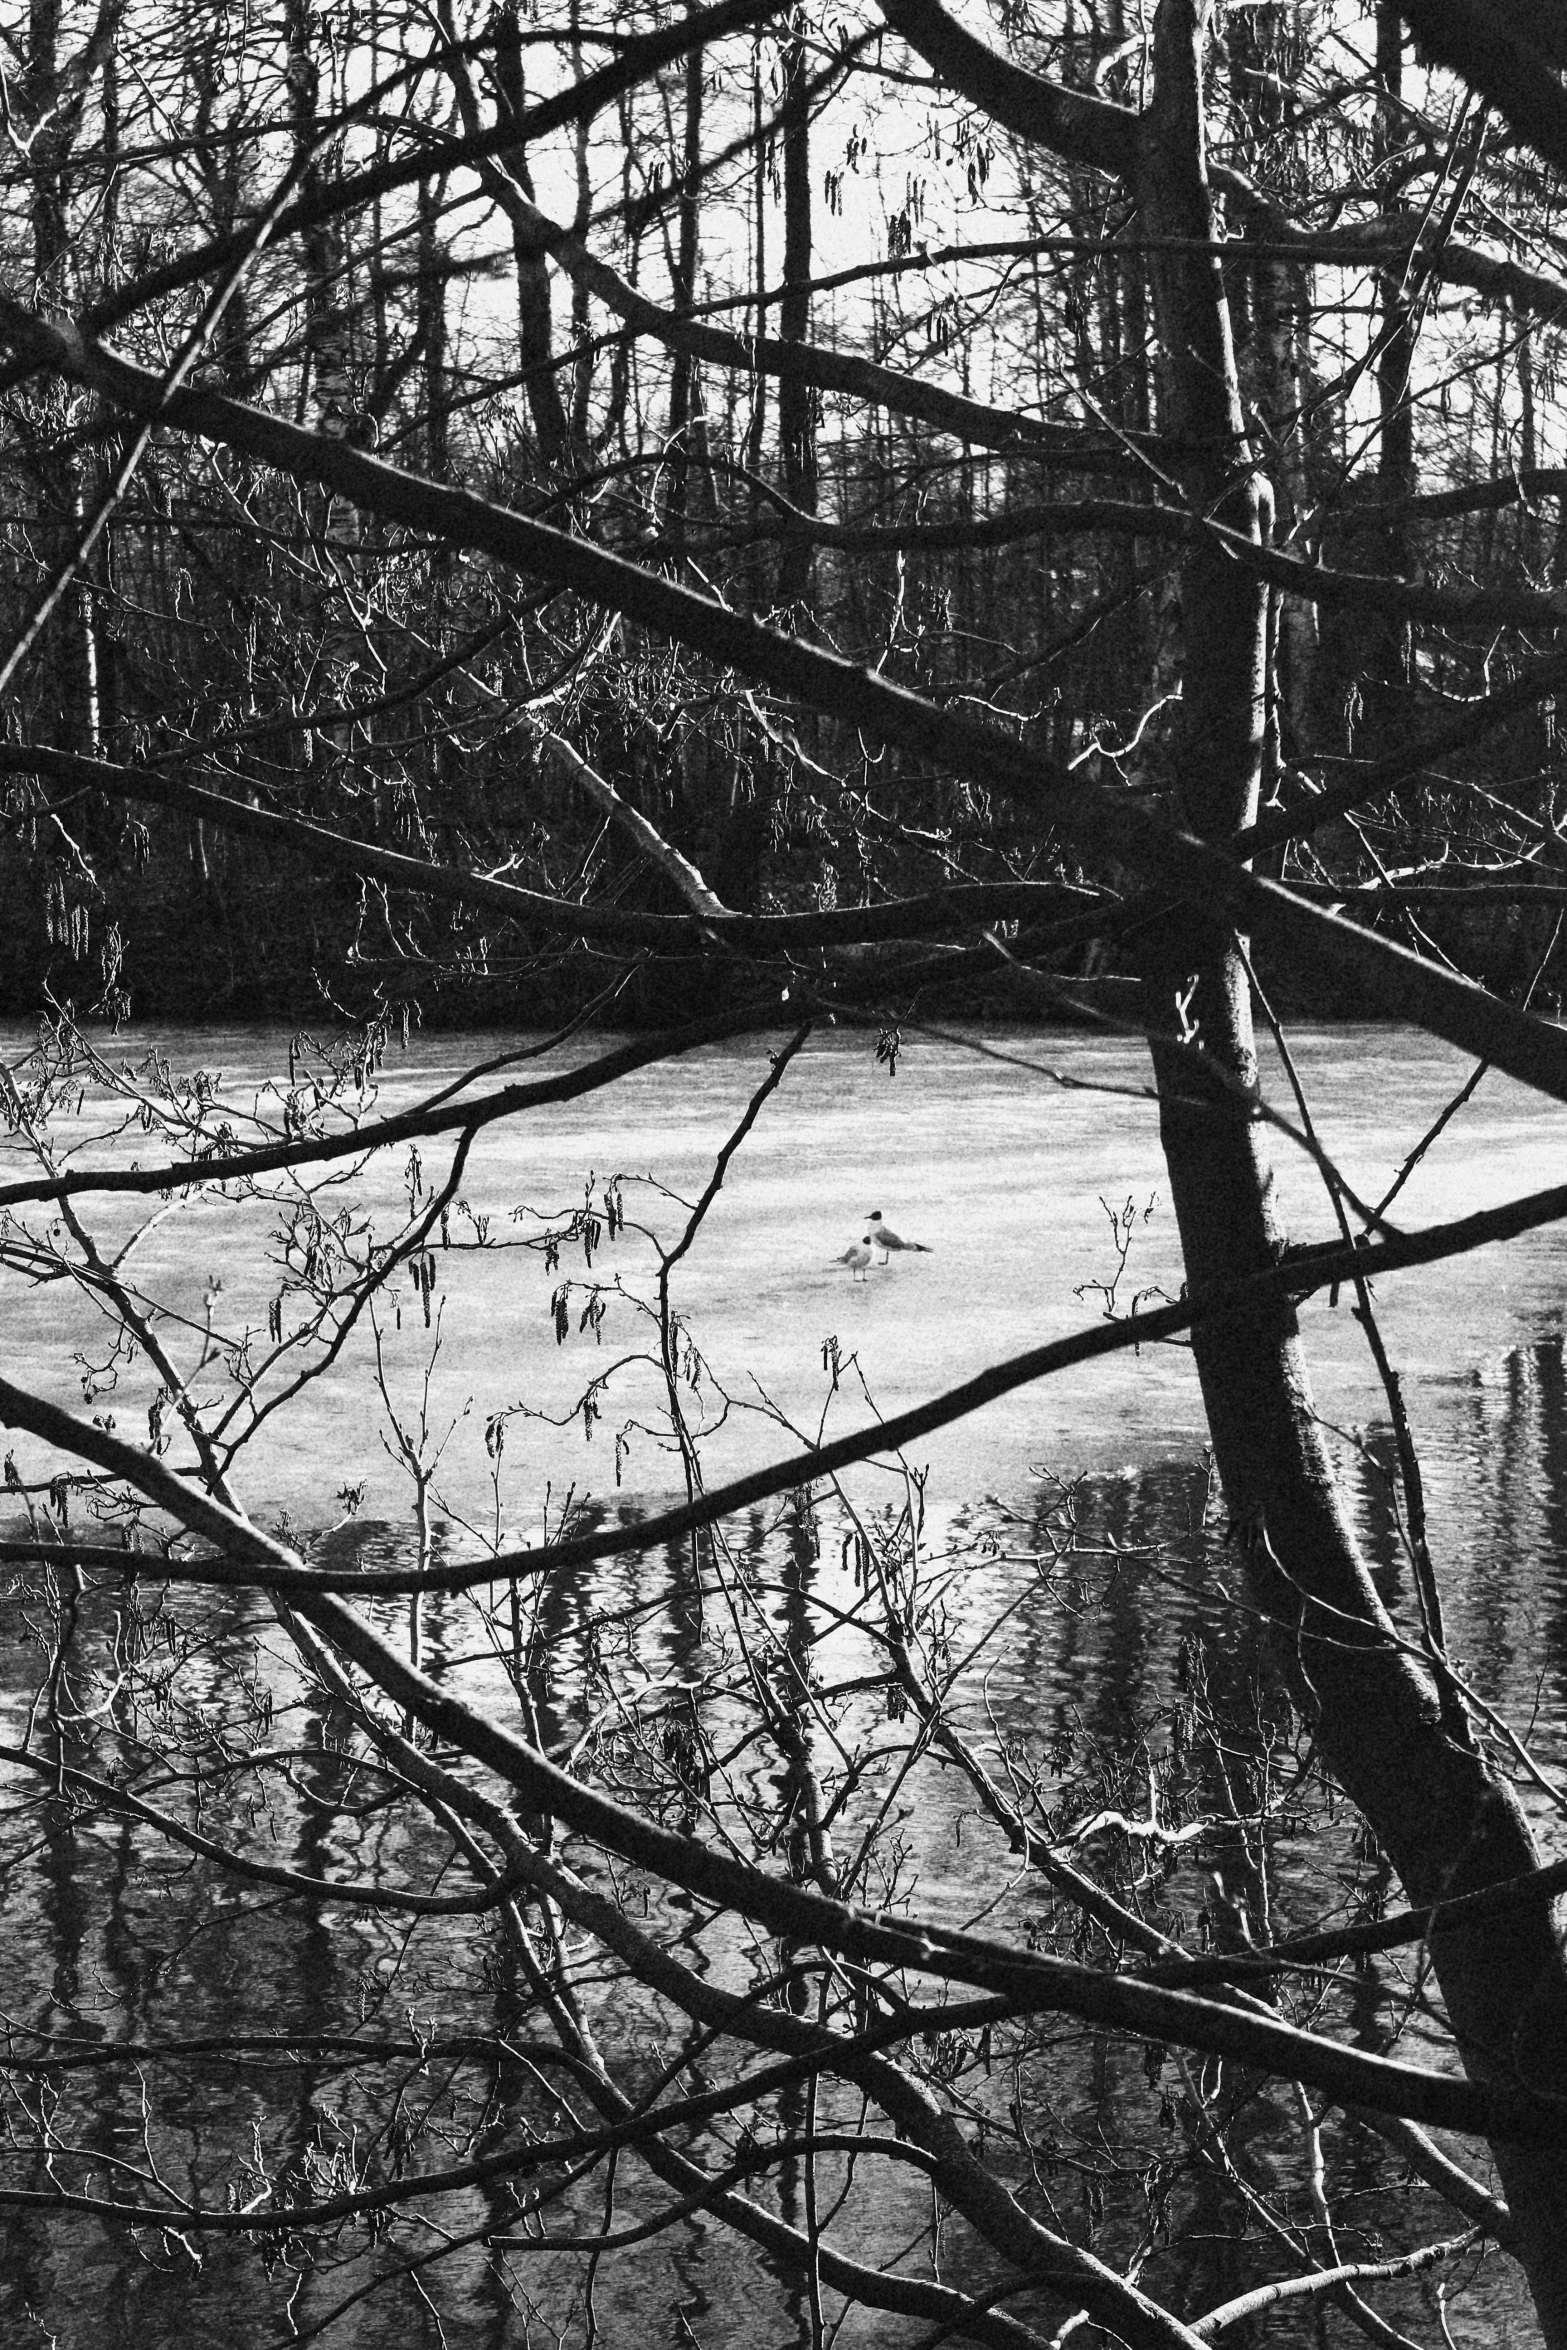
(890, 1242)
(857, 1257)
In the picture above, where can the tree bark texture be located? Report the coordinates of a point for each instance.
(1446, 1820)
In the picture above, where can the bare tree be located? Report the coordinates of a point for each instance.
(504, 739)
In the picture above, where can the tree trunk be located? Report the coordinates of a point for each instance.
(796, 400)
(432, 338)
(1396, 336)
(1406, 1759)
(756, 428)
(72, 688)
(687, 424)
(1265, 48)
(582, 340)
(325, 382)
(535, 331)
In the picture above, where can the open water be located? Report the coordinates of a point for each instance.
(1013, 1179)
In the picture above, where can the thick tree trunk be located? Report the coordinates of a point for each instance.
(1447, 1823)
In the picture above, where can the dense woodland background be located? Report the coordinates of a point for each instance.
(1392, 260)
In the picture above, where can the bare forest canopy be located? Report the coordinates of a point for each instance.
(850, 330)
(707, 522)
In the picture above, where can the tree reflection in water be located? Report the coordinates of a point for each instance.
(1096, 1669)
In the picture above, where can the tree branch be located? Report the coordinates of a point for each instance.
(1508, 50)
(1300, 1276)
(1398, 983)
(1086, 130)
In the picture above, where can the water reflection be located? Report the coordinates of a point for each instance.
(1122, 1636)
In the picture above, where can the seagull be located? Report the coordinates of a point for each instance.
(889, 1241)
(856, 1256)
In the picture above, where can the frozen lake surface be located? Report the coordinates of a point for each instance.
(1002, 1171)
(1006, 1174)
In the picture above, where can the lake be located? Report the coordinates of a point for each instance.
(1072, 1557)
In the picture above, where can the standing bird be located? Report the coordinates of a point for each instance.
(890, 1242)
(209, 1307)
(857, 1257)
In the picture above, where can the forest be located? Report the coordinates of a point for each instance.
(945, 467)
(751, 526)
